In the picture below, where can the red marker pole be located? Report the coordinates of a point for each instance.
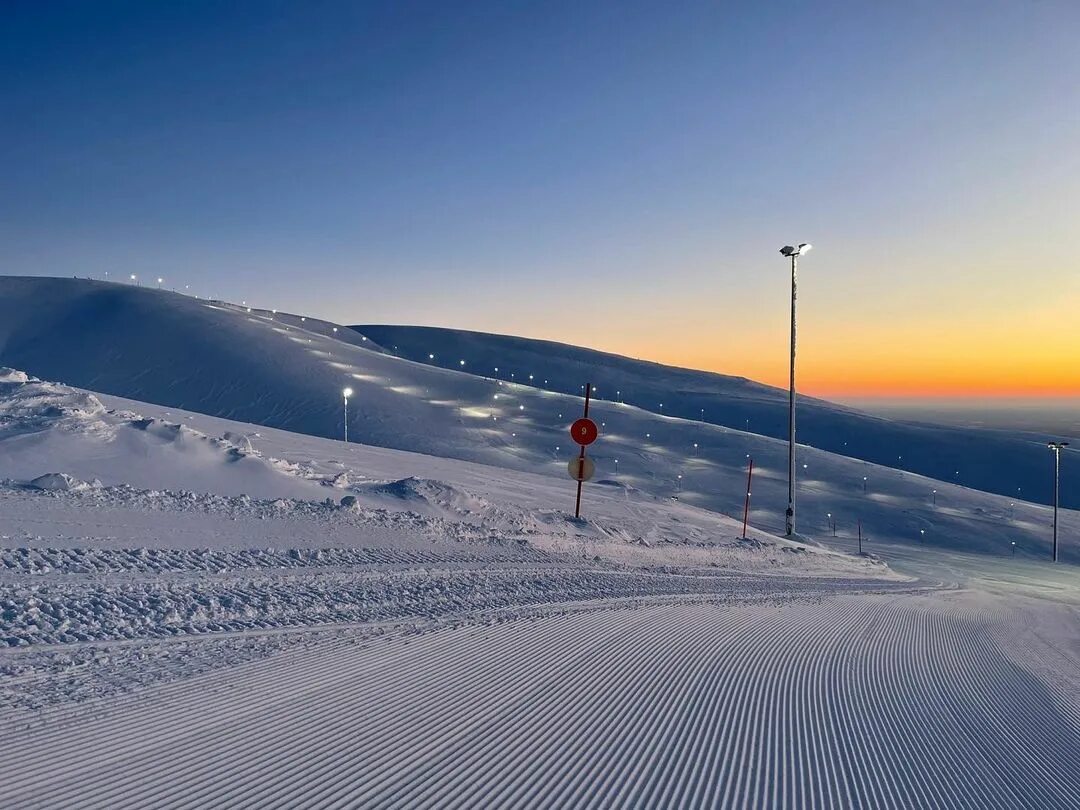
(746, 505)
(581, 457)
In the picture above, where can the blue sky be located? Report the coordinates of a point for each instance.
(613, 174)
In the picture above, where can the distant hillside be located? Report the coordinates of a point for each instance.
(1015, 465)
(287, 371)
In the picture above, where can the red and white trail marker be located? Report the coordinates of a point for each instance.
(584, 431)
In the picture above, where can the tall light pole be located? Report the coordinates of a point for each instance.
(794, 253)
(1056, 447)
(346, 394)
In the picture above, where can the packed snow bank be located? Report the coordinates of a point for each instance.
(62, 482)
(11, 375)
(57, 438)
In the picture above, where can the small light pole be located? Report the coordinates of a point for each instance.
(922, 535)
(159, 281)
(1013, 548)
(134, 280)
(934, 495)
(346, 394)
(832, 523)
(746, 503)
(1056, 448)
(864, 483)
(616, 468)
(793, 253)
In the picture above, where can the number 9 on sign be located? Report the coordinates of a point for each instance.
(584, 431)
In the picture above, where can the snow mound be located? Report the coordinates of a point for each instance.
(28, 404)
(62, 482)
(426, 495)
(241, 441)
(11, 375)
(47, 426)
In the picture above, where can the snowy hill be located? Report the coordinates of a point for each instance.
(1015, 465)
(454, 635)
(190, 594)
(284, 371)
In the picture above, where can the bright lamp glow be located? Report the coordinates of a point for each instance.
(347, 393)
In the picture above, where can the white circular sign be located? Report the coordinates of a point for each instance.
(581, 469)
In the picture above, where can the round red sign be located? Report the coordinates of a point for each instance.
(584, 431)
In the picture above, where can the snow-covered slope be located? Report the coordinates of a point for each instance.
(89, 491)
(283, 371)
(96, 457)
(56, 438)
(1011, 464)
(454, 638)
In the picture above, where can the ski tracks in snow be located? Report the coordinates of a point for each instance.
(874, 701)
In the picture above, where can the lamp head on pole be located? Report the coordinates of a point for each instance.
(1057, 445)
(347, 393)
(788, 250)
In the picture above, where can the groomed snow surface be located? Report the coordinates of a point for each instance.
(196, 612)
(872, 700)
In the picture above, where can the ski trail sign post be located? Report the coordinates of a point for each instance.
(584, 433)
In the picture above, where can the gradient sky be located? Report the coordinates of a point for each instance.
(612, 174)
